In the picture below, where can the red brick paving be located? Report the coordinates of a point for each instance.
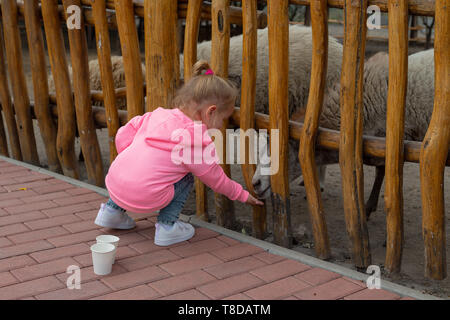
(332, 290)
(47, 225)
(316, 276)
(226, 287)
(227, 269)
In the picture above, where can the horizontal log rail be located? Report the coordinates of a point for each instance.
(235, 13)
(373, 147)
(329, 139)
(416, 7)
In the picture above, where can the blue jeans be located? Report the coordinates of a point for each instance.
(170, 213)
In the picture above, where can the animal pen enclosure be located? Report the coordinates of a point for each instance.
(72, 105)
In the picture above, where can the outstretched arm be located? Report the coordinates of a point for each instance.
(218, 181)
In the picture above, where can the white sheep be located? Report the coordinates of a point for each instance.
(300, 48)
(419, 101)
(418, 111)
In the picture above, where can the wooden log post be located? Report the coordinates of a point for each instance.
(5, 101)
(278, 22)
(350, 146)
(162, 61)
(319, 19)
(18, 82)
(103, 45)
(131, 57)
(191, 37)
(307, 18)
(247, 121)
(3, 141)
(65, 140)
(395, 118)
(220, 47)
(413, 33)
(38, 64)
(83, 106)
(434, 151)
(190, 57)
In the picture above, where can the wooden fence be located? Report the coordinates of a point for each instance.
(72, 105)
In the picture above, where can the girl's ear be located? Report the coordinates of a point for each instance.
(211, 109)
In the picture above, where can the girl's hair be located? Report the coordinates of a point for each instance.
(205, 89)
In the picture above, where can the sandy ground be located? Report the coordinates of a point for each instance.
(412, 274)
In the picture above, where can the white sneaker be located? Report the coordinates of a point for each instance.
(108, 217)
(180, 231)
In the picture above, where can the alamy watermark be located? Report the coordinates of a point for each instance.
(196, 147)
(374, 19)
(74, 280)
(73, 17)
(374, 281)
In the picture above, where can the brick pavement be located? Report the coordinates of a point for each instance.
(46, 225)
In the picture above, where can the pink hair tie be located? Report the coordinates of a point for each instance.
(209, 71)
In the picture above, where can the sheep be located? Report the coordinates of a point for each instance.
(418, 111)
(419, 100)
(300, 47)
(95, 78)
(300, 43)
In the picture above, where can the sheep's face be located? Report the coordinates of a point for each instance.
(261, 177)
(261, 183)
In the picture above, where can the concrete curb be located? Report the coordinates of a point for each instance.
(269, 247)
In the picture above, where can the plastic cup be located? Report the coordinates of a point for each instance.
(102, 257)
(106, 238)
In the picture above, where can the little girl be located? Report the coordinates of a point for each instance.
(145, 176)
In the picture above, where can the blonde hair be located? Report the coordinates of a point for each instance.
(204, 90)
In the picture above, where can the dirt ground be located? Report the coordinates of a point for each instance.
(412, 274)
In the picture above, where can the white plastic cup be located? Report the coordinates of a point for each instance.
(106, 238)
(102, 257)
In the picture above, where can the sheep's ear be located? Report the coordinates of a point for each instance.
(235, 79)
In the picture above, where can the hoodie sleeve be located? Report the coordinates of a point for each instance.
(218, 181)
(126, 133)
(208, 170)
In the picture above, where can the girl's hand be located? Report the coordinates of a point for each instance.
(253, 201)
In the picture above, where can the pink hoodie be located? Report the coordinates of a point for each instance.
(158, 149)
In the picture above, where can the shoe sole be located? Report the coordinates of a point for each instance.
(110, 226)
(165, 243)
